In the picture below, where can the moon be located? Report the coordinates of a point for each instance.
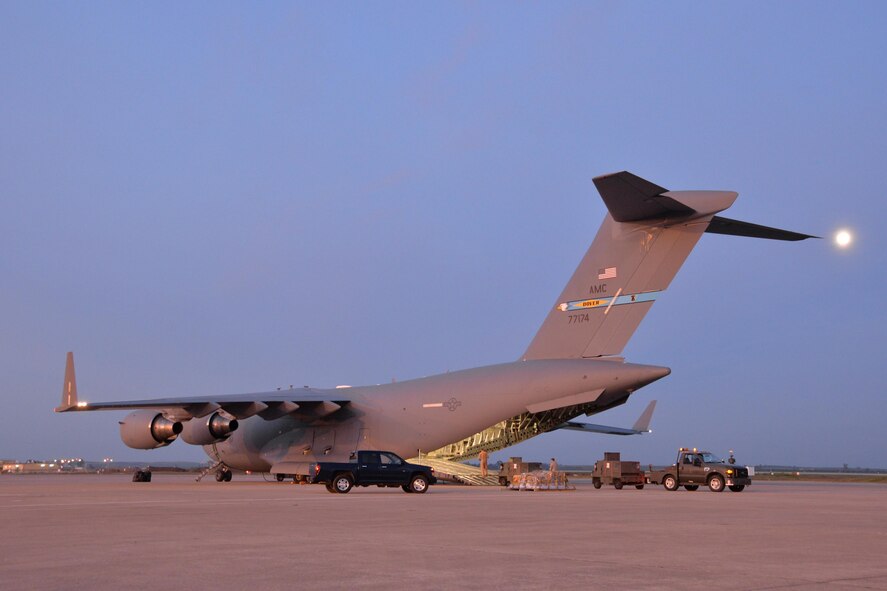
(843, 238)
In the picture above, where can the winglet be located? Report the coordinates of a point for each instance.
(69, 388)
(642, 425)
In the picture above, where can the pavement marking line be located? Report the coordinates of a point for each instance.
(169, 502)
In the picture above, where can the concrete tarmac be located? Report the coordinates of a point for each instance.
(105, 532)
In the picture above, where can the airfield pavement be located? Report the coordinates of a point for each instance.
(105, 532)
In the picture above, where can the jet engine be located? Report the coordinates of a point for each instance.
(148, 429)
(209, 429)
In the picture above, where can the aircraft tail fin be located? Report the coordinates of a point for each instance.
(642, 243)
(69, 388)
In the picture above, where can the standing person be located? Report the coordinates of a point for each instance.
(552, 467)
(552, 472)
(483, 462)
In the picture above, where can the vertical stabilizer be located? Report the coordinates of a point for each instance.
(642, 243)
(69, 388)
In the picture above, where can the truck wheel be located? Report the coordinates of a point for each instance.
(596, 482)
(617, 484)
(716, 483)
(419, 484)
(503, 481)
(670, 482)
(343, 483)
(737, 487)
(691, 487)
(639, 486)
(406, 488)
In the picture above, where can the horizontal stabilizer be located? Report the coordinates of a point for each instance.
(642, 425)
(630, 198)
(719, 225)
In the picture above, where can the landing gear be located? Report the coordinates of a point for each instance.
(141, 476)
(223, 475)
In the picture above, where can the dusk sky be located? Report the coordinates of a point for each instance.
(232, 197)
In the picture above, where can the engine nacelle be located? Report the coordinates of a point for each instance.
(148, 429)
(209, 429)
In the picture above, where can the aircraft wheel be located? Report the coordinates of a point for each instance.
(670, 482)
(343, 483)
(691, 487)
(617, 484)
(228, 475)
(596, 482)
(737, 487)
(419, 484)
(716, 483)
(220, 476)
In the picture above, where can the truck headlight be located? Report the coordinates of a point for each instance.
(729, 471)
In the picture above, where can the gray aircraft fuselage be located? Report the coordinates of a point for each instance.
(424, 414)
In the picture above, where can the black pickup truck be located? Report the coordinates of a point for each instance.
(379, 468)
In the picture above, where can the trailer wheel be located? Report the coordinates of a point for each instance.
(596, 482)
(716, 483)
(617, 484)
(691, 487)
(280, 477)
(670, 482)
(737, 487)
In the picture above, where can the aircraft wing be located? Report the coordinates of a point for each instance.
(268, 405)
(642, 425)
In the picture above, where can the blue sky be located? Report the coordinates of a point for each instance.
(224, 197)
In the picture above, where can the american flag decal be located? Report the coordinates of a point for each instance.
(608, 273)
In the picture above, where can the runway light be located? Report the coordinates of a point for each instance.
(843, 238)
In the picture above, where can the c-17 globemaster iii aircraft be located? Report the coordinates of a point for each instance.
(571, 367)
